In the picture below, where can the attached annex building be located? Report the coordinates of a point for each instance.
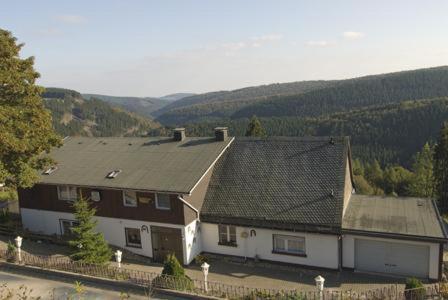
(288, 200)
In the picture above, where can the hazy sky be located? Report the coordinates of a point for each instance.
(152, 48)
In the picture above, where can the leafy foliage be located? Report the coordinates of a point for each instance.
(441, 168)
(25, 124)
(88, 245)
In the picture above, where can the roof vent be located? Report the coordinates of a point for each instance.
(50, 170)
(179, 134)
(331, 141)
(221, 134)
(113, 174)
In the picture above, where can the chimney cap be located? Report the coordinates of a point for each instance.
(179, 129)
(221, 128)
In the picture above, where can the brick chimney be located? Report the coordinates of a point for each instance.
(221, 134)
(179, 134)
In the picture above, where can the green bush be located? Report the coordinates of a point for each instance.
(414, 289)
(173, 276)
(172, 267)
(11, 252)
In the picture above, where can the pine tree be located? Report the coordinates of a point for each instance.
(172, 267)
(25, 125)
(422, 184)
(88, 245)
(254, 128)
(374, 175)
(441, 168)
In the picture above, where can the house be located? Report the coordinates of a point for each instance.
(287, 200)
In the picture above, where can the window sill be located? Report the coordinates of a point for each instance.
(134, 246)
(228, 244)
(289, 253)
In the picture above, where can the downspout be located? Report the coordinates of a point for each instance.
(189, 205)
(341, 255)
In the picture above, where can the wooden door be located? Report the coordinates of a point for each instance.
(166, 241)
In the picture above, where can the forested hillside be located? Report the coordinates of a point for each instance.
(390, 133)
(142, 106)
(73, 115)
(322, 99)
(214, 101)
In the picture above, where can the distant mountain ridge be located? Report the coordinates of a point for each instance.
(144, 106)
(313, 98)
(73, 115)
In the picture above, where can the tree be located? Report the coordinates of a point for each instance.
(441, 168)
(254, 128)
(25, 125)
(374, 175)
(88, 245)
(422, 184)
(362, 186)
(172, 267)
(396, 180)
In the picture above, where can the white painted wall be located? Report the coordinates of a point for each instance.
(47, 222)
(193, 241)
(321, 249)
(348, 252)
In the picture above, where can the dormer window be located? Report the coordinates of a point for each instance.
(50, 170)
(113, 174)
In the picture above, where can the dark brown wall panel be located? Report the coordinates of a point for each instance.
(45, 197)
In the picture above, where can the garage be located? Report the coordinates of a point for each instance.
(394, 258)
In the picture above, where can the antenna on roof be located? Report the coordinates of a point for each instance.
(113, 174)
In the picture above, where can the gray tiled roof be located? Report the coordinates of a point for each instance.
(393, 215)
(155, 164)
(279, 182)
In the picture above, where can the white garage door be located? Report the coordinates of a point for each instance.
(392, 257)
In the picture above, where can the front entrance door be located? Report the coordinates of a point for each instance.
(166, 241)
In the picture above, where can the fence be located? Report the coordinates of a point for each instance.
(216, 289)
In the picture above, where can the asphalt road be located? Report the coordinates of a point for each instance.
(48, 288)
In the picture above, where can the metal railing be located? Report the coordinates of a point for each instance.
(153, 280)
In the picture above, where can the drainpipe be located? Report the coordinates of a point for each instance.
(341, 255)
(189, 205)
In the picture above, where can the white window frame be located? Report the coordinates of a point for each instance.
(286, 242)
(129, 244)
(124, 199)
(73, 223)
(228, 236)
(158, 206)
(71, 196)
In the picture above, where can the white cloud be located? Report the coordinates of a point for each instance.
(267, 38)
(71, 19)
(353, 35)
(317, 43)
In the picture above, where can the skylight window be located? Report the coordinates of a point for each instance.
(113, 174)
(50, 170)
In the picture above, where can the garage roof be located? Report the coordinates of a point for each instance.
(393, 215)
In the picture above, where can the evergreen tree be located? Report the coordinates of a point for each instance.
(25, 125)
(362, 186)
(254, 128)
(88, 245)
(422, 182)
(172, 267)
(441, 168)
